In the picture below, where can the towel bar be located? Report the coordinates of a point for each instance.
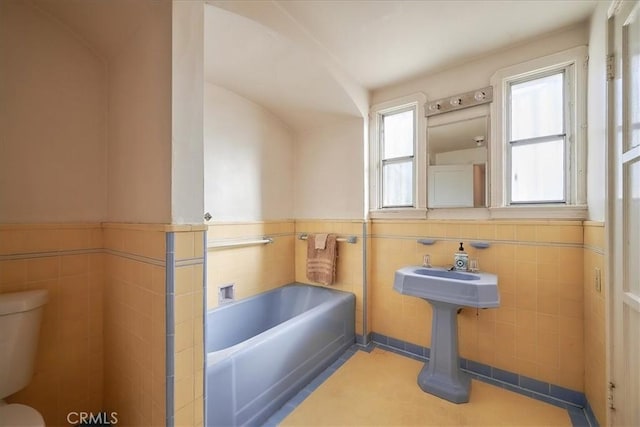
(348, 239)
(221, 245)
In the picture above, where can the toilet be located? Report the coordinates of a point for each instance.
(20, 315)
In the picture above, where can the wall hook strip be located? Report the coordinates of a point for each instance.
(348, 239)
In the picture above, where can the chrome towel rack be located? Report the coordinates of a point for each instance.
(348, 239)
(222, 245)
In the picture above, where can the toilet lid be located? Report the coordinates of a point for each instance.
(16, 414)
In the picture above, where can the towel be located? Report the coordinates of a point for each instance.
(321, 263)
(321, 241)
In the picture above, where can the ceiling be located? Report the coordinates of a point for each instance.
(312, 59)
(262, 65)
(297, 58)
(381, 43)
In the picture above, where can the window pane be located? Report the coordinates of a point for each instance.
(632, 41)
(537, 108)
(537, 172)
(398, 135)
(632, 227)
(397, 184)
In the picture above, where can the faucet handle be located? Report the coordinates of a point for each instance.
(426, 260)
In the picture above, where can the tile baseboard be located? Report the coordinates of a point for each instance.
(573, 401)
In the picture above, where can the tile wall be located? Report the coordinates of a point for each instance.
(134, 323)
(66, 260)
(108, 293)
(258, 268)
(104, 334)
(350, 275)
(538, 329)
(255, 268)
(154, 299)
(188, 320)
(595, 320)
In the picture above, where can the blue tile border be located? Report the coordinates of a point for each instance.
(361, 341)
(574, 402)
(579, 416)
(534, 385)
(204, 324)
(567, 395)
(505, 376)
(479, 368)
(296, 400)
(170, 271)
(591, 417)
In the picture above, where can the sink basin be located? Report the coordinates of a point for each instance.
(446, 291)
(454, 287)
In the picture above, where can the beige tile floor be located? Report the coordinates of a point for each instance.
(379, 388)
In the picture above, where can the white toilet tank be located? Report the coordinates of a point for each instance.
(20, 315)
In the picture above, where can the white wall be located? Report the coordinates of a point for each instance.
(139, 153)
(248, 158)
(52, 121)
(329, 171)
(187, 190)
(477, 72)
(597, 114)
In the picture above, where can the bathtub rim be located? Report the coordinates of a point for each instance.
(218, 356)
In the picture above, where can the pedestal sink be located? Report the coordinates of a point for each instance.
(446, 291)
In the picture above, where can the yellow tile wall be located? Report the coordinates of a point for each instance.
(107, 292)
(189, 332)
(538, 329)
(253, 269)
(349, 269)
(102, 342)
(66, 260)
(595, 321)
(134, 323)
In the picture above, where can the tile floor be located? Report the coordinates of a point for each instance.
(379, 388)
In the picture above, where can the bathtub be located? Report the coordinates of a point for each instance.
(262, 350)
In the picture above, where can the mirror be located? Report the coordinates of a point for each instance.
(457, 161)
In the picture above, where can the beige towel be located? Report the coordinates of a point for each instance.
(321, 263)
(321, 241)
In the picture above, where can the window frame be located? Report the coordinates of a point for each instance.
(567, 116)
(416, 103)
(573, 62)
(397, 160)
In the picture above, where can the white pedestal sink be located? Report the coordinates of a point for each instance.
(446, 291)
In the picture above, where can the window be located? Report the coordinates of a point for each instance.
(537, 139)
(538, 156)
(397, 154)
(397, 136)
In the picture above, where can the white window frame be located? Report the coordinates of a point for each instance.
(378, 111)
(574, 61)
(567, 128)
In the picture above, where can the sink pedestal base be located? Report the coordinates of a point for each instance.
(441, 376)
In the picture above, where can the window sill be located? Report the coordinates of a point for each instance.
(551, 212)
(408, 213)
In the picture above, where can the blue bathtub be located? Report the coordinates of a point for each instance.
(262, 350)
